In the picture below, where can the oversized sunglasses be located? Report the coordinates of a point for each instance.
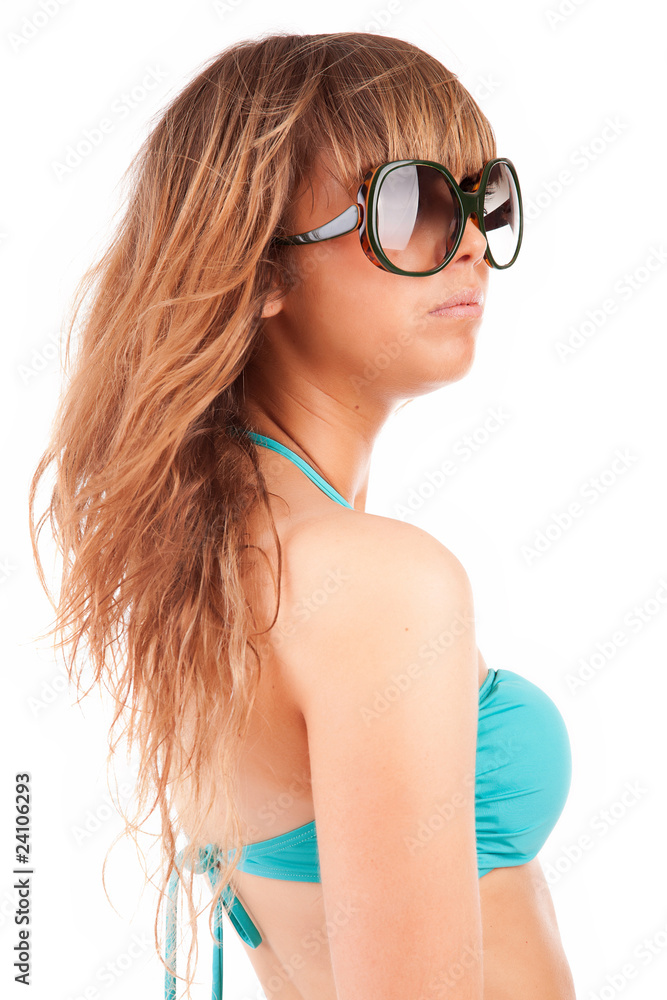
(411, 215)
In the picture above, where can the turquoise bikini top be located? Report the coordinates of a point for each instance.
(523, 771)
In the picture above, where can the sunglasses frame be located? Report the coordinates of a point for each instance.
(471, 203)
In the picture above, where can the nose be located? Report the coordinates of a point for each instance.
(473, 241)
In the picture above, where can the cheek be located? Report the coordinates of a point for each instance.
(349, 303)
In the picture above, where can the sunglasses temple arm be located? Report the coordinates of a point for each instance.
(344, 223)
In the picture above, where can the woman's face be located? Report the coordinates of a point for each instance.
(362, 333)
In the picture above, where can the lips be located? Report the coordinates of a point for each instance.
(465, 297)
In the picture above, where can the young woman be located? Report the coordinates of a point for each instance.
(308, 242)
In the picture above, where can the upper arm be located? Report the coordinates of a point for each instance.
(390, 704)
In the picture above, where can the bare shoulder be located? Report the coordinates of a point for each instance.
(369, 582)
(371, 537)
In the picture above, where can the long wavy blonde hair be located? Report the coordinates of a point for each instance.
(152, 496)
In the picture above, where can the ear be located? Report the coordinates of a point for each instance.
(273, 304)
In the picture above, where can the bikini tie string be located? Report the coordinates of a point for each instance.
(206, 863)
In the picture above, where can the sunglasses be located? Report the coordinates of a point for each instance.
(411, 215)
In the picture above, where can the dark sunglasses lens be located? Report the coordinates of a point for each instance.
(502, 214)
(418, 217)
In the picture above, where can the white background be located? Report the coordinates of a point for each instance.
(551, 84)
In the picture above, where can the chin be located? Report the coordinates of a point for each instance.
(428, 365)
(438, 376)
(455, 361)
